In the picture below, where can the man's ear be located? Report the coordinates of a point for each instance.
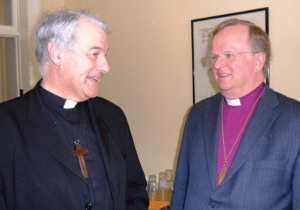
(55, 54)
(259, 61)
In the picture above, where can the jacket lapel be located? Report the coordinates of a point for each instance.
(105, 142)
(261, 121)
(211, 136)
(102, 132)
(45, 136)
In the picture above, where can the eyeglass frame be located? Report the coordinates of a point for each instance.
(226, 53)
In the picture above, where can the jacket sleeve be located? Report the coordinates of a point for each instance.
(136, 194)
(2, 199)
(182, 174)
(296, 184)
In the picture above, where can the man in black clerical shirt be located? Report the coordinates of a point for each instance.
(62, 147)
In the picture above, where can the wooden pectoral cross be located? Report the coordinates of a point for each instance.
(221, 176)
(79, 152)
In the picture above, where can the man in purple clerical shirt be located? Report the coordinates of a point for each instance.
(241, 147)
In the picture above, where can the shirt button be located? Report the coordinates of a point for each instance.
(212, 205)
(88, 206)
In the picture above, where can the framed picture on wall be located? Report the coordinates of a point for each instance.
(204, 85)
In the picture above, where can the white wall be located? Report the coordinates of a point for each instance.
(151, 63)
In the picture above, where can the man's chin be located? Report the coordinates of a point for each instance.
(91, 95)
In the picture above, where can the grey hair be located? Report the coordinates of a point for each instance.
(62, 27)
(258, 39)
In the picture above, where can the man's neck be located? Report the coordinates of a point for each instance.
(239, 93)
(56, 89)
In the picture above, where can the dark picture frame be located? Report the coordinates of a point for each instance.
(204, 85)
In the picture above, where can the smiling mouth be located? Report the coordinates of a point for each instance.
(94, 79)
(223, 75)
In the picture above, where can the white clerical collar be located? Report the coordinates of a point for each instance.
(69, 104)
(233, 102)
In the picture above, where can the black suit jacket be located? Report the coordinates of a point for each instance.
(36, 168)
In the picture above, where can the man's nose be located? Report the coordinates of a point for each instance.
(218, 63)
(103, 65)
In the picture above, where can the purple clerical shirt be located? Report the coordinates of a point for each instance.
(234, 119)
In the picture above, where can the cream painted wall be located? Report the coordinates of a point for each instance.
(151, 63)
(51, 4)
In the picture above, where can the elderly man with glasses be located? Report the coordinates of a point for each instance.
(241, 147)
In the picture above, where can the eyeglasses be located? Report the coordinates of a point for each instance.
(226, 56)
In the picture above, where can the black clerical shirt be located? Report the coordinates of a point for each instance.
(76, 124)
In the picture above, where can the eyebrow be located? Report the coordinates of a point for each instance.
(97, 48)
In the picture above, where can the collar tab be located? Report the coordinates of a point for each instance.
(233, 102)
(69, 104)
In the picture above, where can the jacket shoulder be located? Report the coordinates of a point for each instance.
(287, 102)
(280, 103)
(15, 107)
(208, 102)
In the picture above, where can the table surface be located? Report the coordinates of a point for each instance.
(157, 205)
